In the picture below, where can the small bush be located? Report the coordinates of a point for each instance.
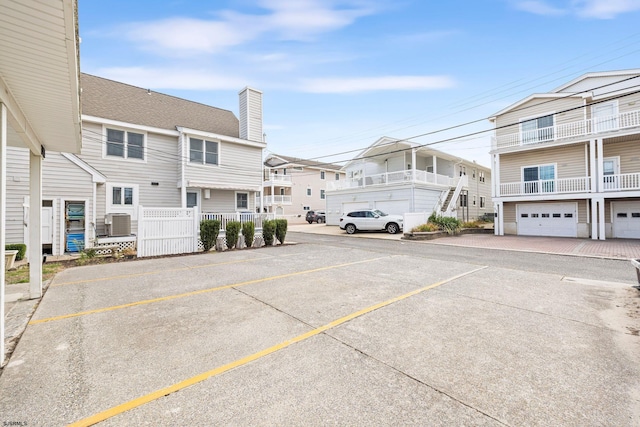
(446, 223)
(425, 227)
(209, 230)
(281, 229)
(248, 231)
(268, 230)
(232, 231)
(471, 224)
(20, 247)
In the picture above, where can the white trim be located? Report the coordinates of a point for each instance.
(96, 176)
(598, 74)
(122, 208)
(238, 208)
(125, 146)
(118, 123)
(204, 152)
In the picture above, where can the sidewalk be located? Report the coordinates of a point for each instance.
(612, 248)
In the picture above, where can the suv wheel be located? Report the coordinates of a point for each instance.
(392, 228)
(320, 220)
(350, 228)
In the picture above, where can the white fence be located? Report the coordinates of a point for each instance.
(167, 231)
(224, 218)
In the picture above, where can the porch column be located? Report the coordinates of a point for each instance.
(498, 223)
(3, 217)
(594, 219)
(435, 165)
(35, 226)
(600, 161)
(413, 164)
(495, 176)
(183, 163)
(592, 166)
(601, 219)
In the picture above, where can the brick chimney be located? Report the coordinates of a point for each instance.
(251, 114)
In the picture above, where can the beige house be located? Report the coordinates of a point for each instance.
(400, 176)
(567, 162)
(294, 186)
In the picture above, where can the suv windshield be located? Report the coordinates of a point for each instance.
(378, 212)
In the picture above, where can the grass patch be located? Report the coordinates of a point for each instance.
(21, 274)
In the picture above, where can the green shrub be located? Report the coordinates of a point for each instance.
(248, 231)
(268, 230)
(425, 227)
(209, 229)
(20, 247)
(281, 229)
(446, 223)
(232, 231)
(471, 224)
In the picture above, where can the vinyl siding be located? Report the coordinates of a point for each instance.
(569, 160)
(17, 189)
(629, 153)
(238, 165)
(224, 201)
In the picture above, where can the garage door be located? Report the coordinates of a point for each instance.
(549, 219)
(626, 220)
(394, 207)
(354, 206)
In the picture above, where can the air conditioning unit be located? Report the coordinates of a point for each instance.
(118, 224)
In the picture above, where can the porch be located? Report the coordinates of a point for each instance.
(616, 182)
(408, 176)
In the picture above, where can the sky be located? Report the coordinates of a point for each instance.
(337, 75)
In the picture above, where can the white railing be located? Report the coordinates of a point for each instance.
(277, 200)
(224, 218)
(167, 231)
(575, 129)
(391, 178)
(625, 181)
(278, 179)
(546, 186)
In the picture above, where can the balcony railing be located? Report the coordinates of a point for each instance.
(278, 179)
(546, 186)
(392, 178)
(569, 130)
(277, 200)
(625, 181)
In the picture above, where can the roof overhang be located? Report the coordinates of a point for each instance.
(532, 97)
(39, 74)
(203, 134)
(221, 186)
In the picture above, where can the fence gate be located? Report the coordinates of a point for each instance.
(167, 231)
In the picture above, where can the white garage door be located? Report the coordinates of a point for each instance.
(626, 220)
(395, 207)
(354, 206)
(548, 219)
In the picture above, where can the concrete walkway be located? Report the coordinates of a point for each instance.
(612, 248)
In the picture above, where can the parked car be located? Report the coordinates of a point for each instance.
(370, 220)
(315, 216)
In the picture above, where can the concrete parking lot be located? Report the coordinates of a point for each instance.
(320, 333)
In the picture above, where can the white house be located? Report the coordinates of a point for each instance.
(400, 176)
(140, 148)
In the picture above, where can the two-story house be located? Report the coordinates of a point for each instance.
(141, 148)
(293, 186)
(567, 162)
(401, 176)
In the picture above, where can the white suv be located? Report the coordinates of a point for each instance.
(370, 220)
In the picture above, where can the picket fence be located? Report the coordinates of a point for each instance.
(170, 231)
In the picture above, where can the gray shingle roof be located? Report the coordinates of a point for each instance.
(119, 101)
(277, 160)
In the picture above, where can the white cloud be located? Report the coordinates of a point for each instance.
(289, 20)
(370, 84)
(605, 9)
(163, 78)
(539, 8)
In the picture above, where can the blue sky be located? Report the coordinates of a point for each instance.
(339, 74)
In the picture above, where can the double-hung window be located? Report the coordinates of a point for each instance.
(321, 174)
(127, 145)
(242, 201)
(539, 179)
(203, 151)
(322, 194)
(535, 130)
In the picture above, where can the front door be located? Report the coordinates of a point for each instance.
(610, 172)
(47, 225)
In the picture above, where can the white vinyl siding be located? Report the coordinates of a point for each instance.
(570, 161)
(238, 165)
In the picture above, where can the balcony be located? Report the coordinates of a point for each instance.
(278, 180)
(393, 178)
(546, 186)
(621, 182)
(277, 200)
(566, 131)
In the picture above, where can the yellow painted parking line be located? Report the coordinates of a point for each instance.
(202, 291)
(132, 404)
(149, 273)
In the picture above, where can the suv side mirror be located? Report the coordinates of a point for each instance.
(376, 216)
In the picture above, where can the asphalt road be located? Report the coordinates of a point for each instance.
(332, 331)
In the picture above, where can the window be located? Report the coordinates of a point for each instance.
(127, 145)
(203, 152)
(539, 179)
(122, 196)
(557, 215)
(463, 200)
(568, 215)
(308, 191)
(473, 174)
(463, 170)
(481, 176)
(306, 208)
(545, 215)
(192, 199)
(321, 174)
(337, 177)
(524, 215)
(474, 200)
(322, 194)
(242, 201)
(483, 201)
(282, 191)
(284, 171)
(535, 130)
